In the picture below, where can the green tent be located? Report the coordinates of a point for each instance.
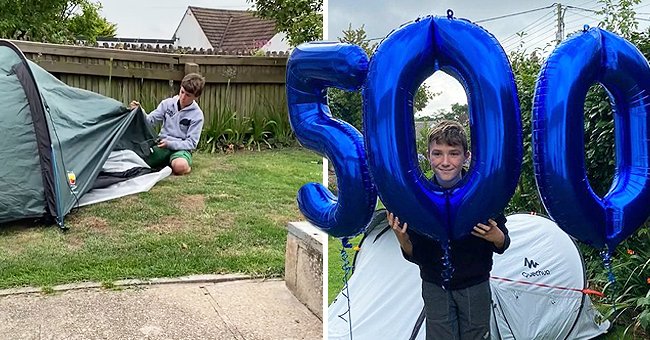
(55, 139)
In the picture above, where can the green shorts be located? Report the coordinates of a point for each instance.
(162, 157)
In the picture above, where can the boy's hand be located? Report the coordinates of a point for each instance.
(490, 233)
(162, 144)
(400, 232)
(134, 104)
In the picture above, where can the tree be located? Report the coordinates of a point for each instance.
(459, 113)
(55, 21)
(348, 105)
(300, 20)
(526, 68)
(619, 16)
(89, 25)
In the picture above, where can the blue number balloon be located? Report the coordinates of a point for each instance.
(594, 56)
(402, 62)
(312, 68)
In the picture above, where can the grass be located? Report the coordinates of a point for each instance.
(228, 216)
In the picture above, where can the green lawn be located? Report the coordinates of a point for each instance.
(228, 216)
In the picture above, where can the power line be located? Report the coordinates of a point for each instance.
(582, 9)
(585, 3)
(514, 14)
(532, 39)
(572, 9)
(540, 28)
(531, 25)
(646, 5)
(582, 16)
(575, 17)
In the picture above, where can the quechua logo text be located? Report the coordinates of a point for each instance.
(532, 264)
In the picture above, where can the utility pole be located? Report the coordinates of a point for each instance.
(560, 24)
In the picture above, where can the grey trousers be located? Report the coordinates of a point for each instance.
(462, 314)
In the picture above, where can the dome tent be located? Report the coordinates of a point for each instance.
(56, 139)
(545, 302)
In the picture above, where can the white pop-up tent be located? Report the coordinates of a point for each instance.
(537, 288)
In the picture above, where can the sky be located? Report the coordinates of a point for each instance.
(380, 17)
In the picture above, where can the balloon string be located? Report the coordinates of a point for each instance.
(346, 274)
(607, 263)
(448, 269)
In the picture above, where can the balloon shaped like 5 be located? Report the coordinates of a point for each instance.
(312, 68)
(558, 137)
(402, 62)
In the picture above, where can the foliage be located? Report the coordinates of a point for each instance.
(54, 21)
(229, 130)
(260, 131)
(459, 112)
(599, 139)
(301, 20)
(89, 25)
(358, 37)
(525, 68)
(347, 105)
(619, 16)
(213, 137)
(281, 132)
(421, 142)
(628, 298)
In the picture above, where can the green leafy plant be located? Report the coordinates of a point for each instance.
(239, 129)
(215, 135)
(261, 129)
(628, 297)
(421, 142)
(281, 132)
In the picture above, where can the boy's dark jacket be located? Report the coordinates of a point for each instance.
(471, 257)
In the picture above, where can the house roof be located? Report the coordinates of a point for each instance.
(233, 30)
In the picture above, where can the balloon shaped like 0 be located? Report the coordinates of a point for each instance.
(402, 62)
(594, 56)
(311, 68)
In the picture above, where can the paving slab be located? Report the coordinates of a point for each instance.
(241, 309)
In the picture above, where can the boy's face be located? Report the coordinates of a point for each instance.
(185, 98)
(447, 163)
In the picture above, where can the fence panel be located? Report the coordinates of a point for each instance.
(241, 84)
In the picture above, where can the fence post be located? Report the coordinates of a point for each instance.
(191, 68)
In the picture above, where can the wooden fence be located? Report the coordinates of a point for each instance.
(242, 84)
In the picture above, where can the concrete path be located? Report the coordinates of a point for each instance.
(241, 309)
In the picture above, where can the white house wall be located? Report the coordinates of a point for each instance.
(279, 43)
(189, 33)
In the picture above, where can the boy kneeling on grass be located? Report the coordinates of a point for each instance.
(461, 307)
(182, 122)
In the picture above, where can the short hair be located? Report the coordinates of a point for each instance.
(448, 132)
(193, 83)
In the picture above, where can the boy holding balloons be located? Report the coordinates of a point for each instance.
(458, 308)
